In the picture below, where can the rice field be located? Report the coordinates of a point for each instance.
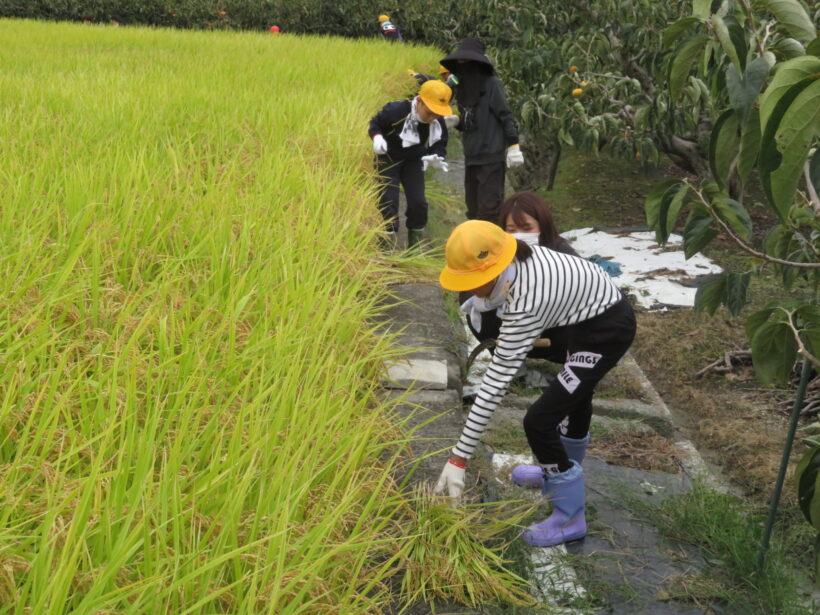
(189, 420)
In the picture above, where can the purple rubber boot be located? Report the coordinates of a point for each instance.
(530, 476)
(567, 521)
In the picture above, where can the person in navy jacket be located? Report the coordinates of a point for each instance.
(408, 136)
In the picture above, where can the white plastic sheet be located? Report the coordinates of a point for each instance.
(652, 274)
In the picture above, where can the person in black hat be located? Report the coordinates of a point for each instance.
(489, 133)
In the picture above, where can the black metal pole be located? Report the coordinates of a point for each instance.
(784, 461)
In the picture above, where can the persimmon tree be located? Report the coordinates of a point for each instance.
(763, 75)
(759, 65)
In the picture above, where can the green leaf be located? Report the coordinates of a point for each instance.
(670, 207)
(778, 241)
(811, 339)
(813, 48)
(723, 146)
(676, 30)
(711, 294)
(698, 233)
(806, 474)
(789, 48)
(682, 63)
(736, 286)
(652, 204)
(756, 320)
(773, 352)
(787, 74)
(749, 145)
(792, 127)
(743, 90)
(735, 215)
(808, 314)
(722, 32)
(701, 8)
(793, 17)
(814, 506)
(814, 170)
(809, 319)
(641, 117)
(738, 36)
(565, 137)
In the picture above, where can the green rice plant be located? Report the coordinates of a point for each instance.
(453, 553)
(190, 419)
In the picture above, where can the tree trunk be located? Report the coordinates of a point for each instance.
(540, 166)
(554, 166)
(686, 154)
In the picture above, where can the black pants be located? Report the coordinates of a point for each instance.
(408, 173)
(593, 348)
(484, 191)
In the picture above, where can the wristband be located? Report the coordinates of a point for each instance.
(458, 465)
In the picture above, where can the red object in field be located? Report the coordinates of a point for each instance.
(274, 29)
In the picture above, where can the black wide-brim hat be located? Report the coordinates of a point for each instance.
(470, 49)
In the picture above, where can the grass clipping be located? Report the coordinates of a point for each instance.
(456, 553)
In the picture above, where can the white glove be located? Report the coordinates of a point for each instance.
(451, 479)
(434, 161)
(379, 145)
(451, 121)
(515, 157)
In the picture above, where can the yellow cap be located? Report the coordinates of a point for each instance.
(476, 252)
(436, 95)
(383, 18)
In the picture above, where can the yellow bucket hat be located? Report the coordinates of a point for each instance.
(476, 252)
(436, 95)
(383, 18)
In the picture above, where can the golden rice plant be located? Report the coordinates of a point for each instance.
(454, 552)
(190, 419)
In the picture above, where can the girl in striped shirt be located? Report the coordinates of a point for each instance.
(534, 289)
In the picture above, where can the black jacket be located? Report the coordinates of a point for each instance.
(389, 123)
(495, 126)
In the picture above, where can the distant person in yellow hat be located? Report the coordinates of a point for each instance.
(447, 77)
(388, 29)
(533, 289)
(408, 136)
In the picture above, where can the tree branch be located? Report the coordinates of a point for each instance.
(801, 348)
(743, 245)
(813, 200)
(750, 23)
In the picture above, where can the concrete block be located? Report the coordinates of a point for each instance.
(652, 414)
(416, 374)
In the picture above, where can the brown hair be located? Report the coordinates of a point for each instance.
(532, 204)
(522, 250)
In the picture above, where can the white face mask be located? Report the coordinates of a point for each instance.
(528, 238)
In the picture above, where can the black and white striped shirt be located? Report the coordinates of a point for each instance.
(550, 289)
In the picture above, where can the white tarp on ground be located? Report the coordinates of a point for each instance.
(652, 274)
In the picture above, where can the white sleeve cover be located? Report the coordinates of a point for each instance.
(516, 338)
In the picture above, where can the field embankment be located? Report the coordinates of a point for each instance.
(188, 418)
